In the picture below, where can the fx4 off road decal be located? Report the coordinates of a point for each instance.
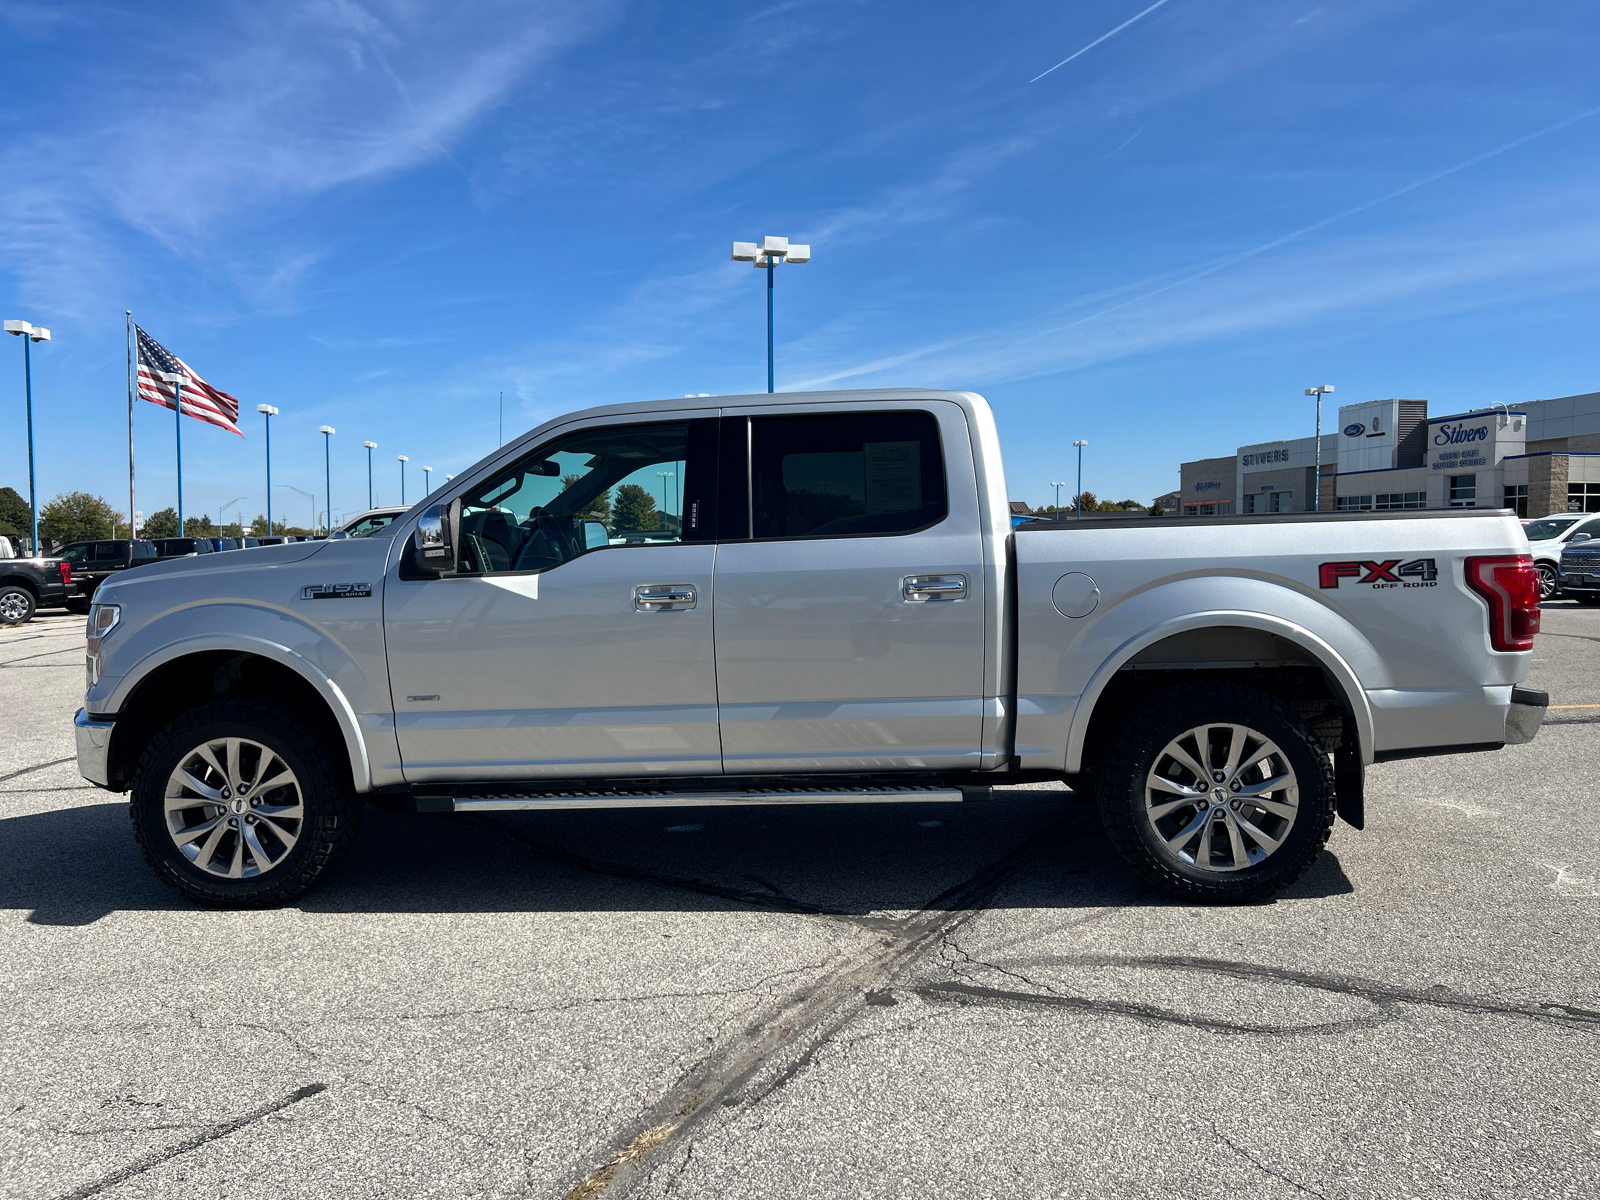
(1390, 573)
(336, 591)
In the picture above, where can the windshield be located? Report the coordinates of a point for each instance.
(1549, 527)
(75, 553)
(370, 525)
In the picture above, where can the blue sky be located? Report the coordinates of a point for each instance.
(379, 216)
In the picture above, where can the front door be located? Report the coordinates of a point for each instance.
(850, 614)
(576, 636)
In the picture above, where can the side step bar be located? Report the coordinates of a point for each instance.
(525, 798)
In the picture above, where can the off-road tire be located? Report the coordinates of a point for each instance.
(332, 806)
(16, 605)
(1121, 781)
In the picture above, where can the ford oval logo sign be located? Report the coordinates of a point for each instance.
(1355, 430)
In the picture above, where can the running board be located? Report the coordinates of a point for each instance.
(513, 798)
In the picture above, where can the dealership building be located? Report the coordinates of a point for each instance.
(1538, 458)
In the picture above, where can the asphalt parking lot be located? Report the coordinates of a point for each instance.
(929, 1001)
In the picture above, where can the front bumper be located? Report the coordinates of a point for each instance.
(1526, 714)
(94, 748)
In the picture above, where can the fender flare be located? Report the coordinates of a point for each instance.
(338, 703)
(1325, 655)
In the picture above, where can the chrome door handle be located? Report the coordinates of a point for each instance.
(664, 597)
(934, 587)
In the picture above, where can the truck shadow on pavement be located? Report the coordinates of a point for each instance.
(866, 864)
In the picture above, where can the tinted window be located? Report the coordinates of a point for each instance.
(75, 553)
(365, 528)
(846, 475)
(110, 552)
(612, 485)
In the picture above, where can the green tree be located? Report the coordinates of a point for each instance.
(76, 517)
(163, 524)
(634, 511)
(200, 526)
(1089, 500)
(1157, 511)
(15, 518)
(598, 509)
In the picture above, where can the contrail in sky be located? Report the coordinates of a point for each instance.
(1234, 259)
(1099, 39)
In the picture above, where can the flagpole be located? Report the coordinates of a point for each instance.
(133, 520)
(177, 383)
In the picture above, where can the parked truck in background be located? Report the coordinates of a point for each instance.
(29, 584)
(804, 599)
(92, 563)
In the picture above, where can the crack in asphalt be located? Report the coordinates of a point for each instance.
(1263, 1167)
(1546, 1012)
(801, 1024)
(212, 1133)
(1143, 1012)
(55, 762)
(11, 662)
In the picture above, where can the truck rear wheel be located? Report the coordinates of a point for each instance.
(16, 604)
(239, 804)
(1218, 794)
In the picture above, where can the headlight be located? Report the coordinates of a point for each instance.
(103, 619)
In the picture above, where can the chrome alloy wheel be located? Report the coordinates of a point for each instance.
(234, 808)
(1221, 797)
(13, 607)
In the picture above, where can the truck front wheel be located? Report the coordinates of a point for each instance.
(240, 804)
(16, 605)
(1218, 794)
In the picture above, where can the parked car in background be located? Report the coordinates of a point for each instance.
(1579, 572)
(271, 541)
(29, 584)
(182, 547)
(226, 543)
(1549, 536)
(369, 522)
(92, 563)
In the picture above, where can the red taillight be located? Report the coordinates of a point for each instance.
(1510, 586)
(66, 573)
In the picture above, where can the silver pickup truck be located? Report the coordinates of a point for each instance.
(798, 599)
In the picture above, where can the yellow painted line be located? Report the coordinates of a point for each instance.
(1575, 706)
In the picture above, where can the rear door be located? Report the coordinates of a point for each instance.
(849, 591)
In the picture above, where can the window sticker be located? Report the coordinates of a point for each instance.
(894, 476)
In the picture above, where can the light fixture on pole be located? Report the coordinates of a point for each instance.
(327, 432)
(222, 517)
(1319, 392)
(371, 446)
(309, 496)
(771, 252)
(427, 481)
(1058, 487)
(402, 460)
(267, 413)
(1078, 501)
(30, 334)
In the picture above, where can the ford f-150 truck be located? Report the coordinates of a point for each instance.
(829, 605)
(28, 584)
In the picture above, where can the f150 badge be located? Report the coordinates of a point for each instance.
(1390, 573)
(335, 591)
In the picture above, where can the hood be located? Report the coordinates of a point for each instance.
(219, 573)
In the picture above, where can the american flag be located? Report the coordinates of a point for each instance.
(200, 399)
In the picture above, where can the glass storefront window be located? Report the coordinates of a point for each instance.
(1463, 491)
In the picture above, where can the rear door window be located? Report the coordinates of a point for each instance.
(845, 475)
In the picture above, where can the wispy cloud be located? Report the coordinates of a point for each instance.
(227, 124)
(1102, 38)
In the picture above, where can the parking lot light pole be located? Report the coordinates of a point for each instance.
(327, 432)
(222, 516)
(31, 334)
(771, 252)
(427, 481)
(371, 446)
(402, 460)
(1078, 500)
(1058, 487)
(267, 413)
(1316, 488)
(309, 496)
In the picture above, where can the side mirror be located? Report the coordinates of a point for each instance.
(1582, 537)
(595, 535)
(432, 551)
